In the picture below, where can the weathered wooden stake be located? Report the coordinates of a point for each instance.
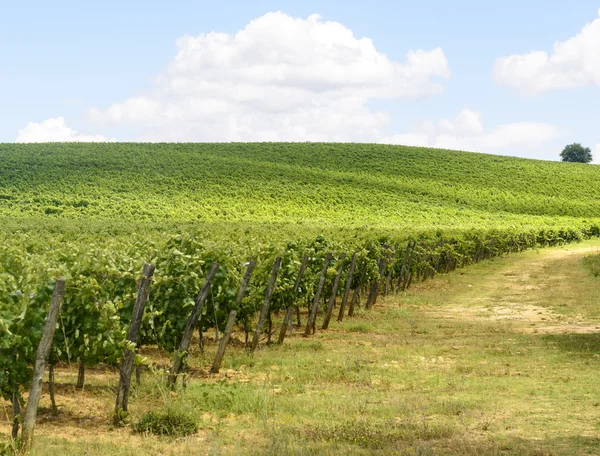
(265, 308)
(224, 341)
(388, 278)
(16, 415)
(356, 294)
(400, 281)
(81, 375)
(186, 338)
(242, 292)
(347, 289)
(41, 357)
(312, 316)
(334, 290)
(303, 267)
(132, 338)
(245, 281)
(409, 269)
(372, 299)
(287, 320)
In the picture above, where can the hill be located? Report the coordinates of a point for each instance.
(392, 189)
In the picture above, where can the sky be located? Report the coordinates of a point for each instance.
(512, 78)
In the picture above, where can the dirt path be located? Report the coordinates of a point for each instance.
(548, 291)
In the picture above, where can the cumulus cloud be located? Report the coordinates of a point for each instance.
(572, 63)
(596, 154)
(278, 79)
(466, 131)
(54, 130)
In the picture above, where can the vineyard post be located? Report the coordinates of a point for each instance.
(388, 279)
(223, 343)
(132, 339)
(356, 294)
(231, 320)
(334, 290)
(375, 285)
(289, 311)
(347, 289)
(429, 272)
(81, 374)
(186, 338)
(41, 357)
(16, 414)
(312, 316)
(409, 268)
(303, 267)
(265, 308)
(403, 267)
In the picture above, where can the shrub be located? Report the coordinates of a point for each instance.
(170, 422)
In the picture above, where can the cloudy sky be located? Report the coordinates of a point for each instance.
(513, 77)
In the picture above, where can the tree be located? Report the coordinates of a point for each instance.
(576, 153)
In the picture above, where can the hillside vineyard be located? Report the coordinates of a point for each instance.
(94, 214)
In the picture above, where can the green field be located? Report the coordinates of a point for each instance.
(95, 213)
(312, 186)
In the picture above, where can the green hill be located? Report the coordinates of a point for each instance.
(95, 213)
(322, 186)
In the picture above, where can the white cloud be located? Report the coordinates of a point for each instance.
(466, 132)
(54, 130)
(280, 78)
(572, 63)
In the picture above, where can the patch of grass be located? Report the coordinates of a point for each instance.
(376, 434)
(172, 422)
(224, 397)
(360, 328)
(592, 262)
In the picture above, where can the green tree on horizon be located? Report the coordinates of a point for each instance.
(576, 153)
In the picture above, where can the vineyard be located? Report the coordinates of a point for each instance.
(269, 238)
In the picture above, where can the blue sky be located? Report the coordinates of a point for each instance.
(81, 71)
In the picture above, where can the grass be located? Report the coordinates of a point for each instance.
(593, 263)
(500, 358)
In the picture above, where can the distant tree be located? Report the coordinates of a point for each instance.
(576, 153)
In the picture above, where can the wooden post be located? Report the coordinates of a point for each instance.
(287, 320)
(186, 338)
(265, 308)
(409, 271)
(81, 374)
(132, 338)
(41, 357)
(245, 281)
(400, 281)
(223, 343)
(16, 415)
(388, 278)
(347, 289)
(303, 267)
(334, 289)
(372, 299)
(356, 294)
(312, 316)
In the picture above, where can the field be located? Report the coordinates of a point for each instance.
(500, 358)
(410, 383)
(330, 185)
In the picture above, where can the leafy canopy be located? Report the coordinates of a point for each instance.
(576, 153)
